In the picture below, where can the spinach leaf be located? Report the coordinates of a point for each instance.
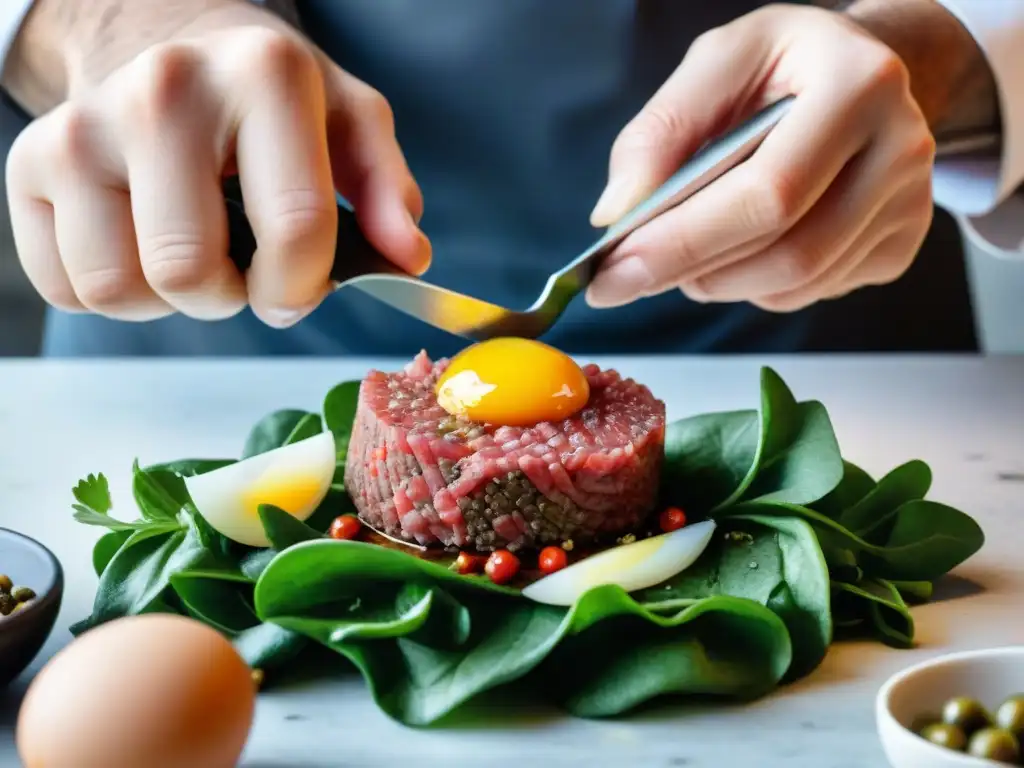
(879, 606)
(401, 621)
(281, 428)
(340, 414)
(140, 572)
(106, 547)
(869, 516)
(268, 646)
(775, 562)
(854, 486)
(189, 467)
(787, 453)
(927, 539)
(720, 646)
(159, 494)
(282, 529)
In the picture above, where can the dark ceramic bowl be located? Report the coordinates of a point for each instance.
(22, 634)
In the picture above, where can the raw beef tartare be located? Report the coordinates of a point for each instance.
(418, 473)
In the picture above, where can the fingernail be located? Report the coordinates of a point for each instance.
(623, 282)
(613, 203)
(423, 250)
(284, 318)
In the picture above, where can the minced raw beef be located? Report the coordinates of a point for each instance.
(419, 474)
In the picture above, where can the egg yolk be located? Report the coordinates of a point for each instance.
(292, 493)
(512, 382)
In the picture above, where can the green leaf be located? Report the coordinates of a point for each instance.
(927, 539)
(218, 597)
(787, 453)
(140, 572)
(106, 547)
(189, 467)
(774, 561)
(399, 619)
(160, 495)
(340, 414)
(91, 517)
(881, 609)
(719, 646)
(868, 517)
(280, 428)
(915, 591)
(268, 646)
(93, 493)
(854, 486)
(283, 529)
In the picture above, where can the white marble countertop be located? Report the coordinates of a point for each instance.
(965, 416)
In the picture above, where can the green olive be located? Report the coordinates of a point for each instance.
(7, 604)
(1010, 715)
(22, 594)
(6, 585)
(945, 735)
(994, 744)
(966, 714)
(21, 606)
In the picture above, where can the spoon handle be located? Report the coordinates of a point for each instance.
(353, 255)
(712, 161)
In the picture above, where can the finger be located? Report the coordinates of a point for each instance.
(173, 170)
(32, 218)
(766, 195)
(720, 72)
(98, 247)
(284, 169)
(895, 166)
(370, 171)
(35, 241)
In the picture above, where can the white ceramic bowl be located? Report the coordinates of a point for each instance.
(988, 676)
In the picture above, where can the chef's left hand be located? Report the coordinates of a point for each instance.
(837, 197)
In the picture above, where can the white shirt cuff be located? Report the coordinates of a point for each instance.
(12, 14)
(976, 187)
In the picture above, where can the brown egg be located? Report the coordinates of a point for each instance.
(152, 691)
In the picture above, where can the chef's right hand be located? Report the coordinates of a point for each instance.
(115, 194)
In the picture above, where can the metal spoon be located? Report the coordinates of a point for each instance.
(358, 264)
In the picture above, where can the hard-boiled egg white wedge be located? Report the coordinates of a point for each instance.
(634, 566)
(293, 477)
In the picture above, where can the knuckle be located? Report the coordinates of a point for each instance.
(886, 72)
(280, 58)
(165, 78)
(72, 137)
(299, 216)
(653, 127)
(373, 103)
(773, 206)
(796, 266)
(919, 149)
(104, 288)
(175, 263)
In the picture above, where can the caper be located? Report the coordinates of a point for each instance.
(966, 714)
(7, 604)
(6, 585)
(1010, 716)
(22, 594)
(945, 735)
(994, 744)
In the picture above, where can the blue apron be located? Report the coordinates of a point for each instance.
(506, 112)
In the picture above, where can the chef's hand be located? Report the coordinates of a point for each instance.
(115, 192)
(837, 197)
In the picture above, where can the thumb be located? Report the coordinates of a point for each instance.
(720, 73)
